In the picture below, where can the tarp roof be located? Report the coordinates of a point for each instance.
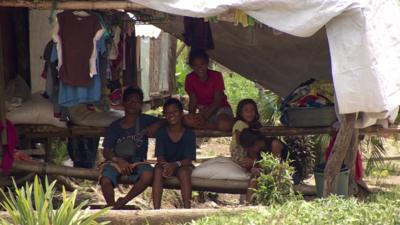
(363, 37)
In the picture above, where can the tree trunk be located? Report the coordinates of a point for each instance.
(339, 152)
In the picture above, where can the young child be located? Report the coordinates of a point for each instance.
(175, 150)
(205, 88)
(247, 116)
(253, 142)
(125, 149)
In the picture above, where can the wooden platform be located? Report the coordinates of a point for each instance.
(45, 131)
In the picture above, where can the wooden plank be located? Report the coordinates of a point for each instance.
(155, 62)
(89, 5)
(145, 67)
(172, 56)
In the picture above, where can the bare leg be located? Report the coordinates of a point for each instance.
(108, 191)
(144, 181)
(157, 186)
(184, 175)
(252, 185)
(190, 121)
(224, 122)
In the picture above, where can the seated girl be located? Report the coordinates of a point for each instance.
(175, 150)
(247, 116)
(125, 149)
(205, 88)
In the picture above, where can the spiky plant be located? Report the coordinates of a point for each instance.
(33, 205)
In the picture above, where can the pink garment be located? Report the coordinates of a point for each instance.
(9, 148)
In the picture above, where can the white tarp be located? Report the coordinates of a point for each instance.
(364, 41)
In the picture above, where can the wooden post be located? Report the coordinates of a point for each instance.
(3, 133)
(339, 152)
(74, 5)
(350, 161)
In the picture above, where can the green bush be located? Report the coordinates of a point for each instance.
(274, 186)
(33, 205)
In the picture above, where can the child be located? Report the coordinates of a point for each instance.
(247, 116)
(175, 150)
(125, 149)
(252, 142)
(205, 88)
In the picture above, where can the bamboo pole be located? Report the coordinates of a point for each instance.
(88, 5)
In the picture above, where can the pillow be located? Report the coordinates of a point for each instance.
(80, 115)
(221, 168)
(37, 110)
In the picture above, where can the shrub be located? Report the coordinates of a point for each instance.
(275, 184)
(33, 205)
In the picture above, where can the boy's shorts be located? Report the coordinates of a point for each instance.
(112, 173)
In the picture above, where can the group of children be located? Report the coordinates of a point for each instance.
(126, 141)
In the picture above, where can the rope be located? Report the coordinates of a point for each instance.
(53, 9)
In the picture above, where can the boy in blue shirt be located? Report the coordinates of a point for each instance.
(125, 149)
(175, 150)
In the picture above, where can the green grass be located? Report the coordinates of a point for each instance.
(380, 208)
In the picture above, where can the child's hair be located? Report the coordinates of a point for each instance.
(173, 101)
(248, 137)
(197, 53)
(132, 91)
(255, 124)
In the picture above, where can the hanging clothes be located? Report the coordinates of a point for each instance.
(197, 33)
(76, 34)
(9, 148)
(70, 95)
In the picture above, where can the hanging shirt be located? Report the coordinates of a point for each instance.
(70, 95)
(76, 34)
(9, 148)
(205, 90)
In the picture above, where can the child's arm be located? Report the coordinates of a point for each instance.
(153, 128)
(247, 163)
(122, 163)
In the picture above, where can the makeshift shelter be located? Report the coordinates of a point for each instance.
(359, 49)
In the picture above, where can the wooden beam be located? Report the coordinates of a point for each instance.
(3, 132)
(86, 5)
(41, 131)
(350, 161)
(339, 152)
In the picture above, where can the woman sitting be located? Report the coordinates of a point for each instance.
(208, 104)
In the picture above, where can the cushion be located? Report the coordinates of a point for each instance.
(221, 168)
